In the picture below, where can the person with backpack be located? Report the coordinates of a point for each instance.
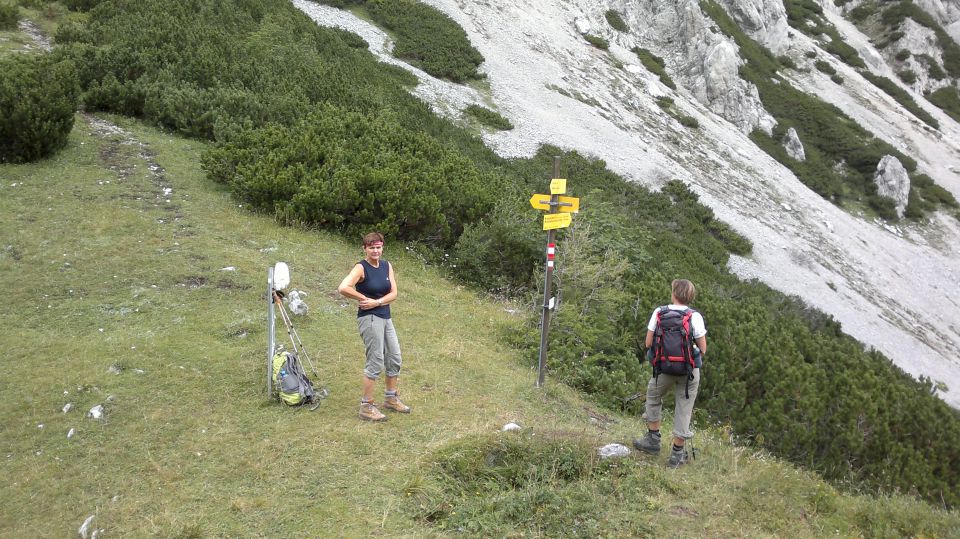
(676, 342)
(373, 284)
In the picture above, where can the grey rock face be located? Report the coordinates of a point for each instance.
(762, 20)
(793, 145)
(919, 40)
(946, 12)
(710, 69)
(892, 181)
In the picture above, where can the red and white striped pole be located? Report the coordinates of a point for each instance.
(548, 282)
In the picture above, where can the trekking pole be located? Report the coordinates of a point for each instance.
(295, 337)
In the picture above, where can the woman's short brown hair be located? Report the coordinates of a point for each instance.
(683, 290)
(372, 237)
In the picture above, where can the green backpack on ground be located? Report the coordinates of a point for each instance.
(292, 385)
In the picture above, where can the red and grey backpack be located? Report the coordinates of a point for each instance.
(672, 350)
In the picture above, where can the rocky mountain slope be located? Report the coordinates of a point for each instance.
(892, 286)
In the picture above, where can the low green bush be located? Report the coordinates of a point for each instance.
(9, 16)
(948, 99)
(688, 121)
(837, 78)
(825, 67)
(902, 55)
(615, 20)
(427, 38)
(597, 41)
(488, 117)
(38, 99)
(933, 68)
(908, 76)
(354, 172)
(786, 61)
(862, 12)
(655, 65)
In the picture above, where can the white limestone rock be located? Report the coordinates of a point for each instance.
(711, 72)
(892, 181)
(793, 145)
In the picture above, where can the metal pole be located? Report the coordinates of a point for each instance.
(548, 282)
(271, 335)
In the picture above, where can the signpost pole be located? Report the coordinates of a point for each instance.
(271, 336)
(548, 282)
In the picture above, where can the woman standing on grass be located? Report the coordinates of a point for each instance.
(372, 283)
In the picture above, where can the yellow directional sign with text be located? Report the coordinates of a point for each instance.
(568, 205)
(540, 202)
(556, 220)
(558, 186)
(564, 204)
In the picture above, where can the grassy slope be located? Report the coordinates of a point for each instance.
(191, 447)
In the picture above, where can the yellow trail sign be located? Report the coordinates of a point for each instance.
(568, 204)
(564, 204)
(558, 186)
(540, 202)
(556, 220)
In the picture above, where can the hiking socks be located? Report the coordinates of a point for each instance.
(654, 432)
(677, 448)
(390, 394)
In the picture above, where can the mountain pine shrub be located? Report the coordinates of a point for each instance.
(488, 117)
(354, 172)
(948, 99)
(825, 67)
(616, 20)
(655, 65)
(427, 38)
(38, 98)
(597, 41)
(9, 16)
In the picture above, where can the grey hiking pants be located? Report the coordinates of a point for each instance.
(383, 348)
(658, 387)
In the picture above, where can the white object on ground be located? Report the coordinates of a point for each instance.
(297, 305)
(511, 426)
(613, 451)
(67, 407)
(96, 412)
(84, 528)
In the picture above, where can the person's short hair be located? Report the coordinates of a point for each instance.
(372, 237)
(683, 290)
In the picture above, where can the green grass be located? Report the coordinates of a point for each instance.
(100, 270)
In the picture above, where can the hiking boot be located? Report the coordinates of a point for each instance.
(395, 404)
(369, 412)
(678, 458)
(649, 443)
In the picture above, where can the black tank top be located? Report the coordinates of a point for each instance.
(375, 285)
